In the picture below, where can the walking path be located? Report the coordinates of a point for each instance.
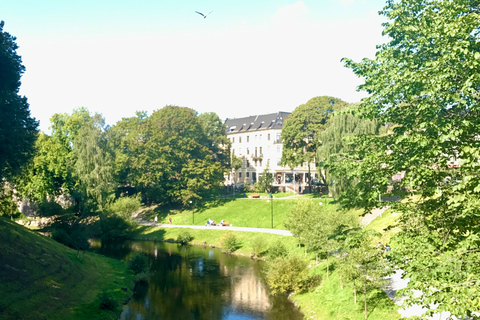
(161, 225)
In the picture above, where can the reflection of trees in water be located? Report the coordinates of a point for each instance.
(188, 282)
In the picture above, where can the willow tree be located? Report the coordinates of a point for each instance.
(426, 79)
(335, 142)
(301, 128)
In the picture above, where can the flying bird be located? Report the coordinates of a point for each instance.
(203, 15)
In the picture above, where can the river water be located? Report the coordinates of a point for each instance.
(194, 282)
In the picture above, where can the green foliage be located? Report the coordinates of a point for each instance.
(70, 232)
(300, 130)
(107, 301)
(114, 227)
(94, 164)
(265, 180)
(184, 237)
(176, 160)
(259, 245)
(7, 206)
(125, 206)
(336, 141)
(289, 274)
(424, 83)
(49, 209)
(138, 264)
(229, 241)
(18, 130)
(277, 250)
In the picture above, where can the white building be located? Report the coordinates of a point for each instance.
(257, 140)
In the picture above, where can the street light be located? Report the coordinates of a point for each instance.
(271, 207)
(193, 214)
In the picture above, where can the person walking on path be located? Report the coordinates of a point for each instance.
(170, 220)
(155, 220)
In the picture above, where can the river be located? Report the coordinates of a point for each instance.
(201, 283)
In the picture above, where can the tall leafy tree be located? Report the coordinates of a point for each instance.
(176, 161)
(426, 80)
(93, 162)
(335, 142)
(301, 128)
(18, 130)
(265, 179)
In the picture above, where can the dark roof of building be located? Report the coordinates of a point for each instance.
(256, 123)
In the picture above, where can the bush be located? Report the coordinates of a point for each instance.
(114, 227)
(259, 245)
(138, 264)
(289, 274)
(49, 209)
(184, 237)
(107, 302)
(229, 241)
(277, 250)
(125, 206)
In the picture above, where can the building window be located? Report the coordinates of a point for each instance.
(268, 137)
(255, 163)
(239, 151)
(248, 138)
(260, 163)
(260, 138)
(239, 139)
(239, 174)
(261, 151)
(248, 163)
(278, 136)
(247, 174)
(248, 151)
(255, 151)
(279, 148)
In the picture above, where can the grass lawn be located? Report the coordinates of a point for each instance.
(329, 301)
(42, 279)
(385, 225)
(253, 213)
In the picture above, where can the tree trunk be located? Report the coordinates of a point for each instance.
(365, 293)
(354, 292)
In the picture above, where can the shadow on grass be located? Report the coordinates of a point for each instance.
(145, 232)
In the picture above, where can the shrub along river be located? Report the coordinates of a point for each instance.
(194, 282)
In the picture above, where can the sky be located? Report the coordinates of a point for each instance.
(248, 57)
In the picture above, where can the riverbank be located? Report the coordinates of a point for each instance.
(43, 279)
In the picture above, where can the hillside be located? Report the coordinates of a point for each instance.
(42, 279)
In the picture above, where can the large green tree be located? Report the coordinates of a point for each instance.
(176, 161)
(335, 142)
(301, 128)
(18, 129)
(426, 80)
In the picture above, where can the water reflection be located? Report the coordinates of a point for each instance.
(191, 282)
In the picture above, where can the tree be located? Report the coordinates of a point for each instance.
(426, 81)
(176, 161)
(265, 179)
(336, 141)
(362, 263)
(18, 130)
(301, 128)
(93, 163)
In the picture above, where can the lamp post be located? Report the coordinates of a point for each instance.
(271, 207)
(193, 214)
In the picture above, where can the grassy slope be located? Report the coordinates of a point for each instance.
(42, 279)
(329, 301)
(254, 213)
